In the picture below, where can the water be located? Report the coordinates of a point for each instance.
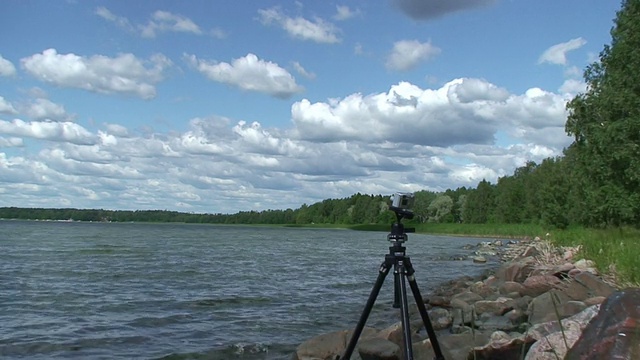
(174, 291)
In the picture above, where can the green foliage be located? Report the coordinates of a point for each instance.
(605, 122)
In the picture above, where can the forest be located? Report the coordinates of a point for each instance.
(594, 183)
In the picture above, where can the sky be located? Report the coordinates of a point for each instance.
(210, 106)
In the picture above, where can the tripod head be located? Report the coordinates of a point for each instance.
(398, 232)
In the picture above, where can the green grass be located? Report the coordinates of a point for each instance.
(616, 247)
(483, 230)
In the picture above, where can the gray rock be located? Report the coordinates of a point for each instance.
(378, 349)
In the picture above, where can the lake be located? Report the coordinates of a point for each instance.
(178, 291)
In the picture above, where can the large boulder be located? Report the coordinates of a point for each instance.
(614, 333)
(329, 346)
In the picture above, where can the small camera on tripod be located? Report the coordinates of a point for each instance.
(402, 201)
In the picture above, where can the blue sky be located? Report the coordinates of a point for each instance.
(224, 106)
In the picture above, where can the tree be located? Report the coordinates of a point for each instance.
(605, 124)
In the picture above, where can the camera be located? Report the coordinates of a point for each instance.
(403, 201)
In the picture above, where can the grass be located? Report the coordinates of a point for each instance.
(616, 251)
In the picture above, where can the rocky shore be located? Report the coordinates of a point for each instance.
(541, 303)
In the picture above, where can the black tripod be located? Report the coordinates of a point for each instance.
(402, 269)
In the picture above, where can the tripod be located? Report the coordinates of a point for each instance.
(402, 269)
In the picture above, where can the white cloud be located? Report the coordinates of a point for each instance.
(11, 142)
(405, 139)
(343, 12)
(6, 107)
(424, 10)
(120, 21)
(6, 67)
(573, 87)
(408, 54)
(45, 130)
(302, 71)
(164, 21)
(45, 109)
(160, 22)
(557, 54)
(300, 28)
(124, 74)
(249, 73)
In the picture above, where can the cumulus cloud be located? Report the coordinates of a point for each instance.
(45, 109)
(249, 73)
(557, 54)
(408, 54)
(424, 10)
(317, 30)
(124, 74)
(6, 107)
(405, 139)
(47, 130)
(6, 67)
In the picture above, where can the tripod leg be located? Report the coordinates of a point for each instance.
(384, 270)
(424, 314)
(404, 309)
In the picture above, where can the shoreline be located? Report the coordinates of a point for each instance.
(538, 298)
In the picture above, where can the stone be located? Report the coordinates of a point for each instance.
(596, 286)
(440, 318)
(492, 307)
(584, 264)
(378, 349)
(539, 284)
(511, 286)
(493, 323)
(330, 345)
(482, 289)
(594, 300)
(468, 297)
(614, 333)
(554, 345)
(479, 259)
(543, 307)
(436, 300)
(575, 290)
(517, 270)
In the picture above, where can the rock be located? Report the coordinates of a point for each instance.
(584, 265)
(520, 345)
(575, 290)
(614, 332)
(554, 345)
(516, 271)
(378, 349)
(491, 322)
(436, 300)
(543, 307)
(510, 287)
(482, 289)
(493, 307)
(440, 318)
(594, 300)
(468, 297)
(328, 346)
(538, 284)
(595, 285)
(479, 259)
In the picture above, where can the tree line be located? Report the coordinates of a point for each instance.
(595, 183)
